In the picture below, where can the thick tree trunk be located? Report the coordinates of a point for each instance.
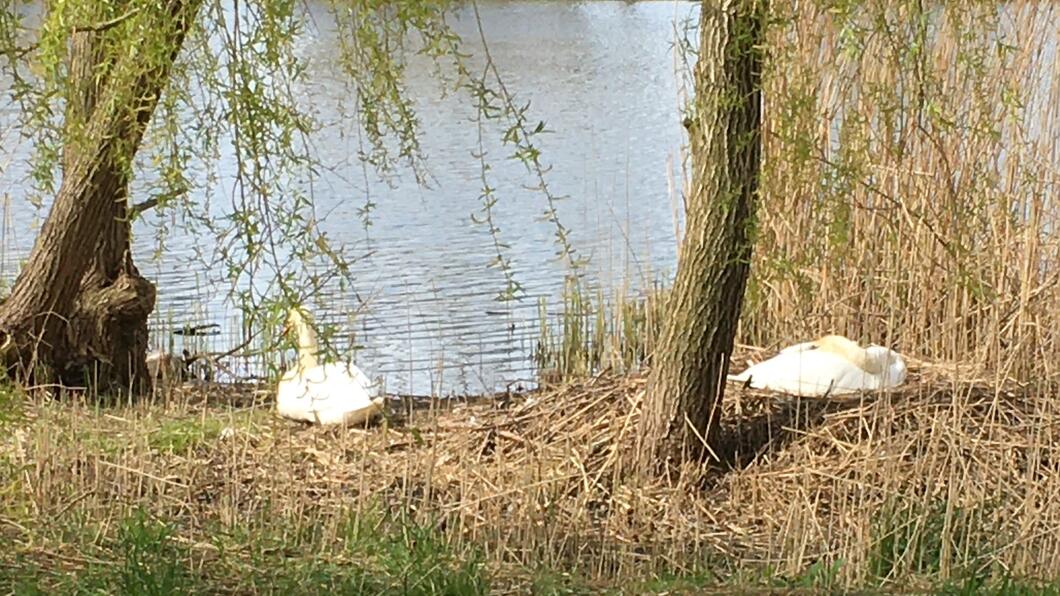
(78, 310)
(683, 401)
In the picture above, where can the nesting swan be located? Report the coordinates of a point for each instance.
(328, 393)
(831, 365)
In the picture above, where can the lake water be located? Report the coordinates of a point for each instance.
(600, 74)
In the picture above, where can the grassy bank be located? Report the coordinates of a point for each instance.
(947, 486)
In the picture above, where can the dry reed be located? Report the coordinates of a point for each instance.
(945, 478)
(909, 194)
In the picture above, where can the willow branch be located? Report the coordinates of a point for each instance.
(97, 27)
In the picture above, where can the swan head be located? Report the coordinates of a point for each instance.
(298, 322)
(885, 361)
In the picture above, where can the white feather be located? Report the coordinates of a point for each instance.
(808, 370)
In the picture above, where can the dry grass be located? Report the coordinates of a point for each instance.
(592, 332)
(909, 190)
(945, 479)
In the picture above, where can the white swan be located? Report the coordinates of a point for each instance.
(831, 365)
(329, 393)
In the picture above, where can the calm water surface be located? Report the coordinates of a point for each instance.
(600, 74)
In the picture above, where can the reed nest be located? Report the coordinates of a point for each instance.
(952, 473)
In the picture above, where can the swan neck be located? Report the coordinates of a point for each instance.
(307, 346)
(851, 352)
(307, 360)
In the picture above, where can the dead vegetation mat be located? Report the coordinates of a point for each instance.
(943, 476)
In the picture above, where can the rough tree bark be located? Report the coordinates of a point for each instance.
(683, 401)
(78, 310)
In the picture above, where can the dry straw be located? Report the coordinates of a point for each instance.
(945, 477)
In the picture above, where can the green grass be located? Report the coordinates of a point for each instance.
(548, 582)
(12, 405)
(908, 539)
(369, 552)
(182, 436)
(375, 554)
(146, 561)
(150, 562)
(1006, 586)
(678, 584)
(372, 552)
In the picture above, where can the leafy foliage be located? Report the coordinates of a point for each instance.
(241, 92)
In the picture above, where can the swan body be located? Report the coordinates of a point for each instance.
(327, 394)
(831, 365)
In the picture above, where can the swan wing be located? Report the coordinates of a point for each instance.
(350, 382)
(808, 372)
(332, 393)
(797, 348)
(809, 345)
(341, 394)
(292, 398)
(362, 380)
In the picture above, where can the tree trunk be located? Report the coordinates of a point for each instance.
(685, 388)
(78, 310)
